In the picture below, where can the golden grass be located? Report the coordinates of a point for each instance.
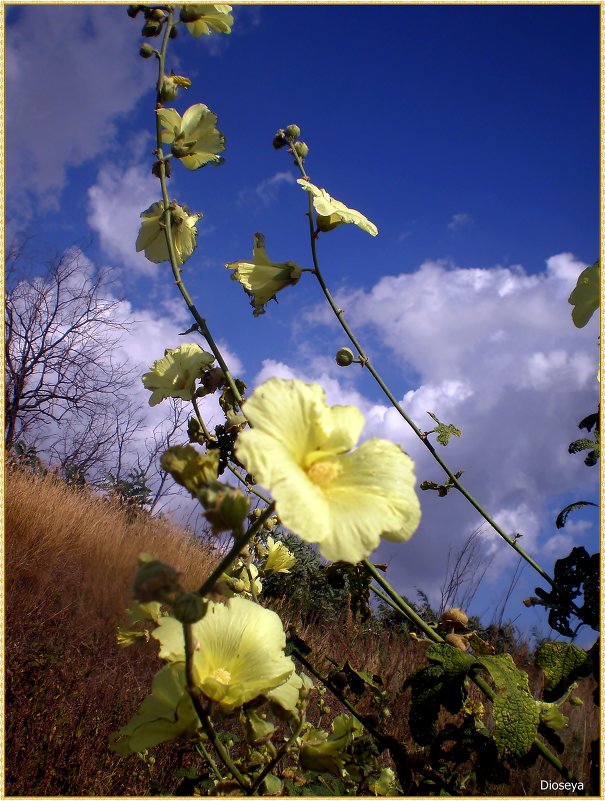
(70, 559)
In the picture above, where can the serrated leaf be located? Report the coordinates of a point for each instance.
(561, 663)
(505, 674)
(516, 719)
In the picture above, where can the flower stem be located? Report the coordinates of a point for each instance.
(235, 549)
(176, 270)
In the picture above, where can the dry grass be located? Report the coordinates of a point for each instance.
(70, 560)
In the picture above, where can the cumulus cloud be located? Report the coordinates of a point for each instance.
(46, 130)
(460, 221)
(266, 190)
(115, 202)
(493, 351)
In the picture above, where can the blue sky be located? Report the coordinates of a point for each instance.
(468, 134)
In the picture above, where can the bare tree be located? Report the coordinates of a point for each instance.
(464, 572)
(62, 376)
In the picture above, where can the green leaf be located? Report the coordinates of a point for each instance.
(167, 713)
(561, 663)
(441, 684)
(516, 719)
(505, 674)
(444, 432)
(562, 516)
(273, 785)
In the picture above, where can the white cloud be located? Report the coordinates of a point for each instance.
(115, 203)
(46, 130)
(495, 353)
(460, 221)
(266, 190)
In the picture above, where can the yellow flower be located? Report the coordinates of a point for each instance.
(204, 18)
(152, 238)
(343, 499)
(194, 137)
(279, 559)
(286, 695)
(239, 653)
(331, 212)
(261, 277)
(175, 375)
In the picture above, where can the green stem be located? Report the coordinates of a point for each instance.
(401, 604)
(279, 755)
(205, 754)
(235, 549)
(200, 420)
(366, 362)
(176, 270)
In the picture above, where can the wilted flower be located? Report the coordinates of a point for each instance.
(585, 297)
(204, 18)
(152, 238)
(279, 560)
(239, 653)
(261, 277)
(331, 212)
(385, 784)
(194, 137)
(328, 752)
(345, 500)
(174, 375)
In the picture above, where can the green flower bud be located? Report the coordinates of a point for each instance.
(157, 14)
(344, 357)
(154, 580)
(173, 32)
(189, 607)
(146, 50)
(292, 131)
(169, 90)
(301, 149)
(575, 701)
(152, 27)
(229, 512)
(132, 11)
(279, 140)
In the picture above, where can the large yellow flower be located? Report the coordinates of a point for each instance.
(239, 653)
(343, 499)
(262, 278)
(331, 212)
(152, 238)
(175, 375)
(194, 138)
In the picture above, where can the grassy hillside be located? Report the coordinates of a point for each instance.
(70, 559)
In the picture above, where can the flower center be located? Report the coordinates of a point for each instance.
(221, 675)
(323, 472)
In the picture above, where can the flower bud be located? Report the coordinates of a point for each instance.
(169, 89)
(173, 32)
(154, 580)
(292, 131)
(157, 14)
(189, 607)
(156, 169)
(458, 641)
(279, 140)
(146, 50)
(152, 27)
(575, 701)
(454, 617)
(301, 149)
(344, 357)
(132, 11)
